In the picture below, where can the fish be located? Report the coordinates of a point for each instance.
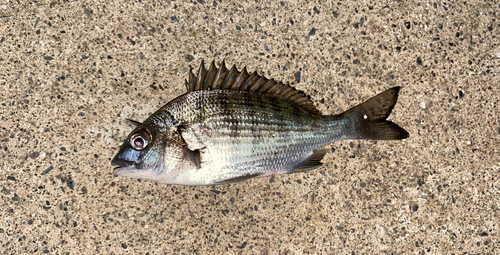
(231, 126)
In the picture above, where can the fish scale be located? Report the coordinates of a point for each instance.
(232, 126)
(276, 129)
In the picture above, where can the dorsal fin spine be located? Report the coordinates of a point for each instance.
(218, 76)
(192, 80)
(221, 73)
(251, 81)
(257, 84)
(209, 80)
(240, 79)
(269, 84)
(229, 79)
(201, 76)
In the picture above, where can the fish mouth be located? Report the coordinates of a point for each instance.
(123, 167)
(120, 163)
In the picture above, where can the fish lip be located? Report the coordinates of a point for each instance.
(121, 163)
(124, 170)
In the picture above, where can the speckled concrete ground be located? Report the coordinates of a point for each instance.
(72, 72)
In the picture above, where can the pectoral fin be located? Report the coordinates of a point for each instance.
(194, 157)
(311, 163)
(190, 137)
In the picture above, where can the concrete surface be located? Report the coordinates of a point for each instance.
(71, 72)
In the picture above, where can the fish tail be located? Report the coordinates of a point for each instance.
(369, 119)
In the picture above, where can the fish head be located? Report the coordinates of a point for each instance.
(148, 154)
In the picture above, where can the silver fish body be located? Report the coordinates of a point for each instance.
(232, 126)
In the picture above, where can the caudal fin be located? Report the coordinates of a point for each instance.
(369, 118)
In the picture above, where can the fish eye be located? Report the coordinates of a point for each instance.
(140, 140)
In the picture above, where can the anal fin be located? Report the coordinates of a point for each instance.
(311, 163)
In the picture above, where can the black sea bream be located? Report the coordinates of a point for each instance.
(231, 126)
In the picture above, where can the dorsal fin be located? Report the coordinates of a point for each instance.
(224, 79)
